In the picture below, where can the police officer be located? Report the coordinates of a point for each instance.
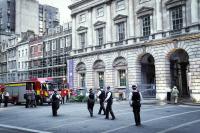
(101, 94)
(55, 99)
(109, 100)
(134, 99)
(6, 98)
(90, 102)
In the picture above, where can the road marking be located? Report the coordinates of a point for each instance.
(22, 129)
(67, 124)
(179, 126)
(168, 116)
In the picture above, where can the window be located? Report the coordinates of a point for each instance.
(101, 79)
(121, 31)
(100, 36)
(35, 49)
(122, 77)
(47, 46)
(82, 80)
(82, 40)
(177, 18)
(120, 5)
(22, 53)
(62, 43)
(26, 52)
(40, 48)
(19, 53)
(54, 44)
(18, 65)
(146, 25)
(68, 41)
(100, 12)
(82, 18)
(32, 50)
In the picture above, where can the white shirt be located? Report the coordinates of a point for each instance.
(131, 94)
(99, 93)
(108, 96)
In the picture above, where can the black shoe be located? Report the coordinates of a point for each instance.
(107, 118)
(99, 113)
(112, 118)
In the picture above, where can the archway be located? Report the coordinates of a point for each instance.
(179, 62)
(148, 85)
(147, 69)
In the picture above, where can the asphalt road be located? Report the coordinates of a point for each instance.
(74, 118)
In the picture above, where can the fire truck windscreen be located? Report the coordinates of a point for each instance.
(49, 86)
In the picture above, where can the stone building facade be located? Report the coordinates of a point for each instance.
(152, 43)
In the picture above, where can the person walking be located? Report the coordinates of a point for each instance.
(90, 102)
(6, 98)
(63, 93)
(109, 100)
(55, 99)
(1, 98)
(134, 100)
(175, 93)
(33, 99)
(101, 94)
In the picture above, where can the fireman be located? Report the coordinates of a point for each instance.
(55, 99)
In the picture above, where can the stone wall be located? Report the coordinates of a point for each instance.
(161, 54)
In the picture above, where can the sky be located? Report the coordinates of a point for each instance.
(62, 5)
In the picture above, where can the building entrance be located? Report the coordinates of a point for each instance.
(179, 62)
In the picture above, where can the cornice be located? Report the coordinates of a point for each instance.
(140, 45)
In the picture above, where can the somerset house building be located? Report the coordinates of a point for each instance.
(154, 44)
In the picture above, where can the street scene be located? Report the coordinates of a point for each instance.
(74, 118)
(99, 66)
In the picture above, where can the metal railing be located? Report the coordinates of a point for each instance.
(148, 90)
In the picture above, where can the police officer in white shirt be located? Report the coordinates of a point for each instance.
(109, 100)
(101, 94)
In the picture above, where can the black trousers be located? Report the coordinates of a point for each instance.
(137, 116)
(109, 110)
(102, 107)
(90, 106)
(55, 107)
(5, 101)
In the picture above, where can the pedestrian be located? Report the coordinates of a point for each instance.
(27, 96)
(33, 99)
(101, 95)
(134, 99)
(55, 99)
(90, 102)
(1, 98)
(63, 96)
(67, 95)
(175, 93)
(6, 98)
(109, 100)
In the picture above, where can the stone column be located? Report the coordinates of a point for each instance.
(131, 19)
(89, 32)
(74, 42)
(162, 69)
(158, 15)
(194, 11)
(108, 23)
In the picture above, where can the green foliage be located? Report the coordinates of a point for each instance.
(79, 98)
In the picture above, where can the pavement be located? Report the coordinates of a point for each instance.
(157, 117)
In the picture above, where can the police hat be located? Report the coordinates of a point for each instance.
(134, 87)
(108, 88)
(90, 90)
